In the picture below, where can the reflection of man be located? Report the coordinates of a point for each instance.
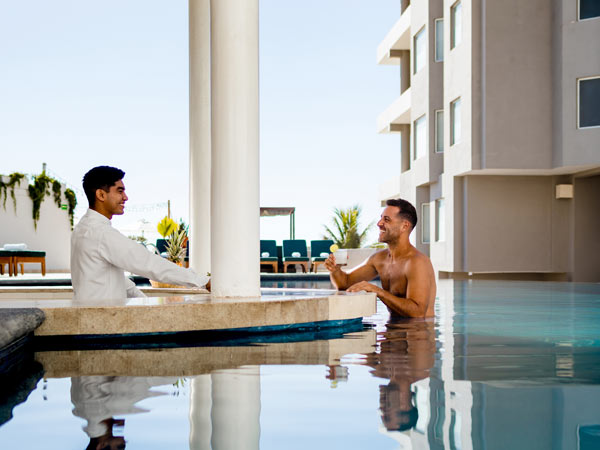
(99, 253)
(98, 399)
(406, 356)
(407, 277)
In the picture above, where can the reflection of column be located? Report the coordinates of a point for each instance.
(199, 29)
(235, 204)
(200, 406)
(236, 409)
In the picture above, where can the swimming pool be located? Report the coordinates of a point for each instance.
(505, 365)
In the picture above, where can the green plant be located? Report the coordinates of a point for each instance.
(345, 231)
(56, 190)
(72, 203)
(176, 236)
(37, 192)
(14, 180)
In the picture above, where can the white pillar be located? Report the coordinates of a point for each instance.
(235, 208)
(200, 412)
(236, 409)
(200, 150)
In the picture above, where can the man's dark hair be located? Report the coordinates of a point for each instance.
(101, 177)
(407, 210)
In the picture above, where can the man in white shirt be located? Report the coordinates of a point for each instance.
(100, 254)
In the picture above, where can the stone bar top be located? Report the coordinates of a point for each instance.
(185, 312)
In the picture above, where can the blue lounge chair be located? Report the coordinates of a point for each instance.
(295, 246)
(316, 248)
(270, 247)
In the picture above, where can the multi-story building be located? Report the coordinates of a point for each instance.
(499, 117)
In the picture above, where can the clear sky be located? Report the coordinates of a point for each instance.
(84, 83)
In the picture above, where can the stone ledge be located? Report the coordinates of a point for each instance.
(18, 322)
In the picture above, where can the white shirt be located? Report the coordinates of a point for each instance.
(99, 254)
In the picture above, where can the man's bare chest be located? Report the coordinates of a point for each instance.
(393, 278)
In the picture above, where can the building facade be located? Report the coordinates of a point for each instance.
(499, 117)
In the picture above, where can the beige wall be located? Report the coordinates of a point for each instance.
(517, 83)
(510, 226)
(587, 229)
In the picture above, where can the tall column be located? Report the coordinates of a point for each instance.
(235, 208)
(200, 150)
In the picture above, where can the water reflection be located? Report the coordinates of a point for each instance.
(99, 400)
(405, 356)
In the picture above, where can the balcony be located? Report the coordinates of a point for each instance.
(397, 39)
(398, 113)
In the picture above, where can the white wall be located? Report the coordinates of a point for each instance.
(53, 234)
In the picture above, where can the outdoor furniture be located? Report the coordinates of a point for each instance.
(270, 247)
(295, 246)
(316, 248)
(6, 257)
(22, 257)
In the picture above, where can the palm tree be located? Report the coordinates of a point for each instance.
(345, 233)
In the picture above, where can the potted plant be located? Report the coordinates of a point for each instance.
(176, 240)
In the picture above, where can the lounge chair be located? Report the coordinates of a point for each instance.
(6, 257)
(316, 249)
(28, 256)
(291, 249)
(270, 247)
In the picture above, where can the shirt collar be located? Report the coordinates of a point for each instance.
(97, 217)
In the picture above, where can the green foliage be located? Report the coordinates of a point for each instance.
(14, 180)
(345, 231)
(37, 192)
(72, 202)
(56, 190)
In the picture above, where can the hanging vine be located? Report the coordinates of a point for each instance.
(72, 201)
(38, 190)
(14, 180)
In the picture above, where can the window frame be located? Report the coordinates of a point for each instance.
(453, 34)
(423, 205)
(579, 19)
(453, 140)
(419, 33)
(440, 236)
(415, 148)
(579, 80)
(437, 57)
(436, 141)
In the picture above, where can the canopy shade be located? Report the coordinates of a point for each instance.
(282, 211)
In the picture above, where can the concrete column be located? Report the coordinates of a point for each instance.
(236, 409)
(200, 412)
(235, 208)
(405, 147)
(200, 149)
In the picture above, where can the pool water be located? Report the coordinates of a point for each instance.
(504, 365)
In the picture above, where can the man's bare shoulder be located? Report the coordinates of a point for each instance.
(419, 261)
(379, 256)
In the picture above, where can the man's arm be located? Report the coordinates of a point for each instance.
(133, 257)
(342, 280)
(418, 291)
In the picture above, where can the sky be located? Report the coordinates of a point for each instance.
(105, 82)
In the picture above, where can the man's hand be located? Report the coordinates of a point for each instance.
(330, 263)
(364, 286)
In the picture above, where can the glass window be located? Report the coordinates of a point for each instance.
(455, 121)
(456, 23)
(589, 102)
(425, 223)
(439, 131)
(439, 40)
(420, 50)
(440, 220)
(588, 9)
(420, 142)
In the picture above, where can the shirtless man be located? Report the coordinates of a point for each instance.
(407, 277)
